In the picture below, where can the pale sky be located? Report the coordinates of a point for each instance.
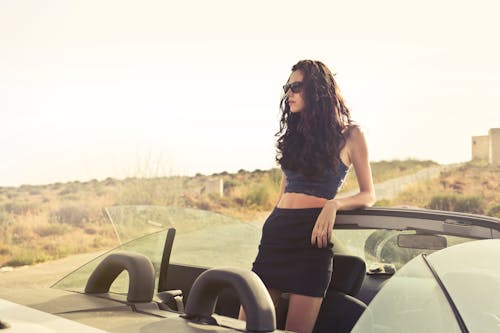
(113, 88)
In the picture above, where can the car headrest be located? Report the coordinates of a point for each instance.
(348, 274)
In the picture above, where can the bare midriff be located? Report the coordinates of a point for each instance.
(300, 200)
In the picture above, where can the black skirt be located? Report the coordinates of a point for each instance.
(287, 261)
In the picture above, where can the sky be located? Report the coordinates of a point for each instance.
(113, 88)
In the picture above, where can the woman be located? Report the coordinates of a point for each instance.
(317, 144)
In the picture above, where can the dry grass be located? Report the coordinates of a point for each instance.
(471, 187)
(385, 170)
(39, 223)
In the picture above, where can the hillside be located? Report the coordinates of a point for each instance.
(472, 187)
(40, 223)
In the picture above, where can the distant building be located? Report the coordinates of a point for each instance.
(481, 147)
(495, 145)
(487, 147)
(213, 186)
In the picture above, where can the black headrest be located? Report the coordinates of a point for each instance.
(348, 274)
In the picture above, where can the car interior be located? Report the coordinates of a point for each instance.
(339, 312)
(352, 286)
(365, 258)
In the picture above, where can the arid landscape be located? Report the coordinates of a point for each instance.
(50, 222)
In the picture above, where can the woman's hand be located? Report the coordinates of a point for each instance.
(322, 231)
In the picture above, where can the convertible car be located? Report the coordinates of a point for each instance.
(187, 270)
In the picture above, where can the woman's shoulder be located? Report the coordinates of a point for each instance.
(352, 132)
(354, 138)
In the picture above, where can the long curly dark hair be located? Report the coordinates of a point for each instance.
(310, 141)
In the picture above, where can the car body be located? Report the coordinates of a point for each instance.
(161, 279)
(453, 290)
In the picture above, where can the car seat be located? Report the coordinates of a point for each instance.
(340, 310)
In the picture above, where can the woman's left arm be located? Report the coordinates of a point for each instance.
(358, 154)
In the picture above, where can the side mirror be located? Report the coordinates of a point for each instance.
(422, 241)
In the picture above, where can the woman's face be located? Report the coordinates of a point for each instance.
(294, 92)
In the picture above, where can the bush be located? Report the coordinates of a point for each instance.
(75, 215)
(204, 204)
(229, 184)
(454, 203)
(21, 208)
(275, 175)
(12, 195)
(110, 182)
(4, 251)
(22, 233)
(260, 196)
(69, 189)
(5, 218)
(52, 229)
(494, 211)
(27, 258)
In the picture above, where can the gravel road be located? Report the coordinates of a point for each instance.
(392, 187)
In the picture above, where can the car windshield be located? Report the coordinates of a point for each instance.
(470, 273)
(411, 301)
(203, 238)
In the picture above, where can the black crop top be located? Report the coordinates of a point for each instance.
(325, 186)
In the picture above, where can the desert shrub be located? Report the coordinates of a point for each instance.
(69, 189)
(464, 204)
(239, 201)
(275, 175)
(204, 204)
(12, 194)
(110, 182)
(99, 242)
(5, 218)
(229, 184)
(90, 231)
(260, 196)
(100, 192)
(494, 211)
(22, 233)
(52, 229)
(73, 214)
(21, 207)
(4, 250)
(19, 261)
(64, 249)
(72, 197)
(28, 258)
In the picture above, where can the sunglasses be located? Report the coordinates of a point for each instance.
(295, 87)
